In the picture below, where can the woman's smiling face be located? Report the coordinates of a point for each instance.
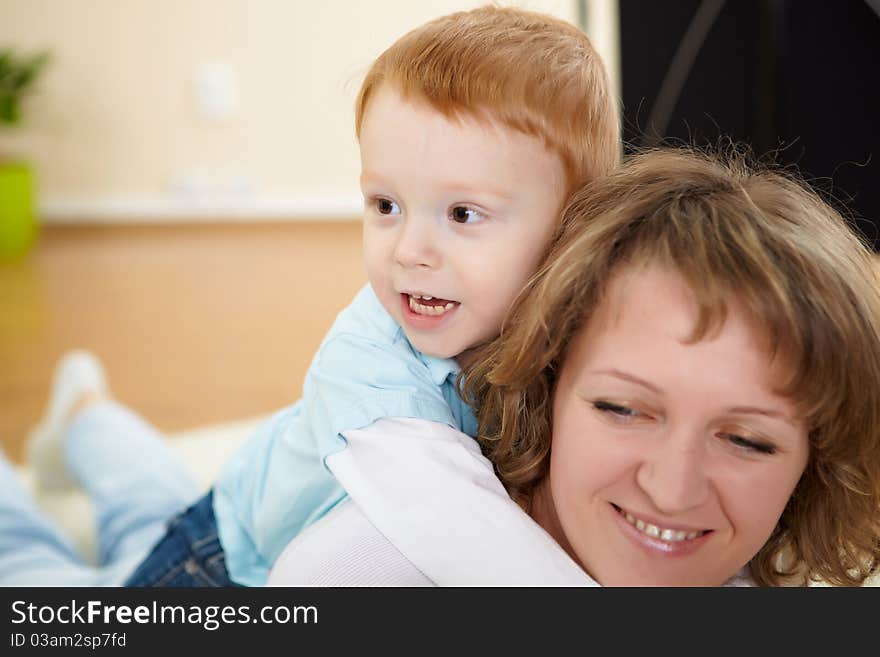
(671, 462)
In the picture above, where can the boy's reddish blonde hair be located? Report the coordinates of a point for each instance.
(531, 72)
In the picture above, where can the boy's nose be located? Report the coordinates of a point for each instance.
(415, 246)
(674, 476)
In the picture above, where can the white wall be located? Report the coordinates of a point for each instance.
(222, 109)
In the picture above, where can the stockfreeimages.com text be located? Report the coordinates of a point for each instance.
(211, 617)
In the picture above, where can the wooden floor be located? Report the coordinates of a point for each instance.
(195, 324)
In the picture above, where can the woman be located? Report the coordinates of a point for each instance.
(686, 394)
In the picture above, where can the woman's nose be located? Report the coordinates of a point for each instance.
(674, 475)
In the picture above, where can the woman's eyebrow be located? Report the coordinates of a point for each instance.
(738, 410)
(632, 378)
(766, 412)
(755, 410)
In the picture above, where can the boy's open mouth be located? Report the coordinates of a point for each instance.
(427, 305)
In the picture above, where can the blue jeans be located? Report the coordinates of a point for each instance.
(136, 484)
(189, 554)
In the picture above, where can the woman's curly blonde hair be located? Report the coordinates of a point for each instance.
(730, 228)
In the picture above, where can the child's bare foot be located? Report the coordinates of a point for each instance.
(78, 383)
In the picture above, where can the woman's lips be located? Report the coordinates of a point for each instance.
(657, 538)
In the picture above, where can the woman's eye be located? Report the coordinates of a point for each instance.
(616, 410)
(462, 214)
(748, 444)
(384, 206)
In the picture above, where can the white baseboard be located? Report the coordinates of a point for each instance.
(121, 210)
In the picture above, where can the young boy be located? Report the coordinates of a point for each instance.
(474, 129)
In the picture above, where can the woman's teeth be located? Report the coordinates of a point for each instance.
(669, 535)
(426, 309)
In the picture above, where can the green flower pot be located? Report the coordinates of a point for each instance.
(18, 226)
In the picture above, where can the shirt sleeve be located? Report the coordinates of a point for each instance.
(355, 380)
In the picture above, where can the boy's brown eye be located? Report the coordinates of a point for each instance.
(462, 214)
(385, 206)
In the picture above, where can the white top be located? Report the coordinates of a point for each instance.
(426, 508)
(344, 549)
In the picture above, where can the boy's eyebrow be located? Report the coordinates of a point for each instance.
(453, 186)
(366, 176)
(470, 188)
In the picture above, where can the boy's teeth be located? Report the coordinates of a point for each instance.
(422, 309)
(669, 535)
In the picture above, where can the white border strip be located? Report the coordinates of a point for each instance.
(603, 28)
(121, 210)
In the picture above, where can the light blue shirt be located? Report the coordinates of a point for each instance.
(277, 483)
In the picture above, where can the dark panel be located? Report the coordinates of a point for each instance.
(799, 77)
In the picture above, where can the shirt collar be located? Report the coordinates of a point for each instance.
(440, 369)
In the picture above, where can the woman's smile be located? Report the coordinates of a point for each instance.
(657, 540)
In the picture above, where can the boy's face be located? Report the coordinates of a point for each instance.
(456, 218)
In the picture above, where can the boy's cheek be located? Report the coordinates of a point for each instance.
(509, 269)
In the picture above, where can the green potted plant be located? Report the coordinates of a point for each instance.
(18, 225)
